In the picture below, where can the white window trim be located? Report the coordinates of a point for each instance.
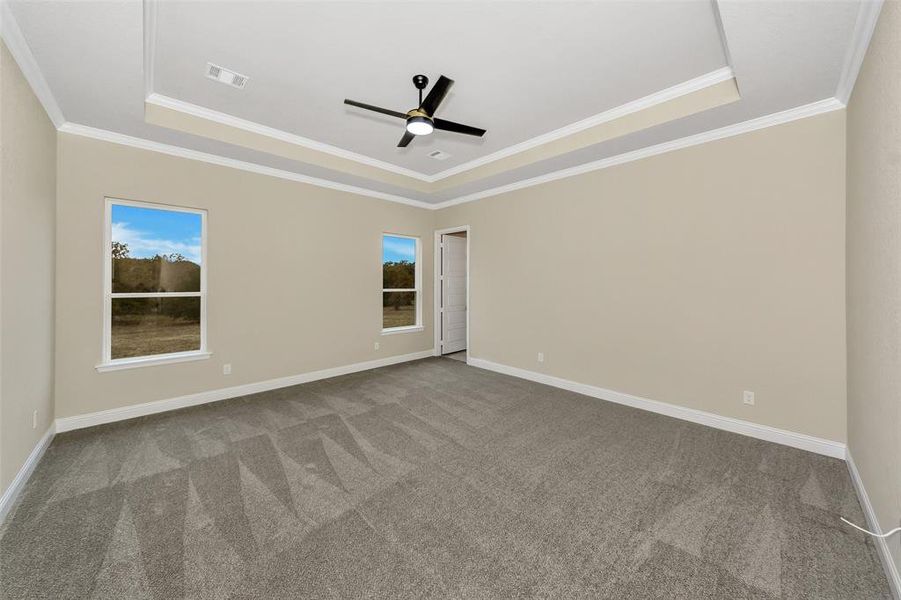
(107, 363)
(417, 279)
(149, 361)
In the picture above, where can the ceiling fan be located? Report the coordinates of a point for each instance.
(421, 120)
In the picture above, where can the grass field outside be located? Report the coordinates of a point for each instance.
(160, 334)
(404, 316)
(153, 334)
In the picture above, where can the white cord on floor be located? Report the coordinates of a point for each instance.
(878, 535)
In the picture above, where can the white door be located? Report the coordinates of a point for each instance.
(453, 294)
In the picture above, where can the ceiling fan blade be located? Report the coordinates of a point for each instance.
(377, 109)
(408, 137)
(457, 127)
(436, 95)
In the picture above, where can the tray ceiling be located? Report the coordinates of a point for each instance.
(556, 84)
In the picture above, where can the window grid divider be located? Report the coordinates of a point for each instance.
(416, 290)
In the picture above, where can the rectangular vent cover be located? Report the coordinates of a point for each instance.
(439, 155)
(217, 73)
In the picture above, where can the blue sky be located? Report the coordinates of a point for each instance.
(396, 249)
(149, 231)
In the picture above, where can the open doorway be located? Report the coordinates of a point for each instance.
(452, 292)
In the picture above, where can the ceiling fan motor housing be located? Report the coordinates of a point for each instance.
(419, 123)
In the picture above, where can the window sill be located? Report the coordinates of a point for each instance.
(395, 330)
(150, 361)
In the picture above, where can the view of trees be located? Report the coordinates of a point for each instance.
(161, 310)
(398, 275)
(160, 273)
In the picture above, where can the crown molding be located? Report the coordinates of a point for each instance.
(231, 121)
(149, 30)
(215, 159)
(792, 114)
(644, 103)
(670, 93)
(18, 47)
(724, 40)
(779, 118)
(150, 8)
(867, 16)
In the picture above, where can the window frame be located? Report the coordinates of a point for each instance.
(417, 283)
(107, 363)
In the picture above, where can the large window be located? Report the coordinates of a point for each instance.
(400, 284)
(155, 284)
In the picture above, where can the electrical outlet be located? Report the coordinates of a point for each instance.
(376, 345)
(541, 357)
(748, 397)
(34, 420)
(227, 369)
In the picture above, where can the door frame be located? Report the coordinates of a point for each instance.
(436, 318)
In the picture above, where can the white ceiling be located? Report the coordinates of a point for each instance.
(522, 69)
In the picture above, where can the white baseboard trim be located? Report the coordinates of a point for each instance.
(763, 432)
(891, 569)
(158, 406)
(12, 492)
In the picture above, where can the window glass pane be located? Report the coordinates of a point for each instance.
(155, 250)
(398, 309)
(147, 326)
(398, 262)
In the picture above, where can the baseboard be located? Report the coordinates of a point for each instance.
(12, 492)
(158, 406)
(763, 432)
(891, 569)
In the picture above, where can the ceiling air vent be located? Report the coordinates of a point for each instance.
(439, 155)
(217, 73)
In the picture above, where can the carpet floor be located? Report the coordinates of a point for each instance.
(431, 479)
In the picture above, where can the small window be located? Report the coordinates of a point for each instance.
(400, 283)
(155, 288)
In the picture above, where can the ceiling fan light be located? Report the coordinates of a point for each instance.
(420, 125)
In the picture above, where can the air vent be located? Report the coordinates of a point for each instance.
(217, 73)
(439, 155)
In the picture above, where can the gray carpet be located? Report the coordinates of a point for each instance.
(431, 479)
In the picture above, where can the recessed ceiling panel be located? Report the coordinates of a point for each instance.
(521, 69)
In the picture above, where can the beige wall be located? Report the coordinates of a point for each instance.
(686, 278)
(874, 273)
(27, 231)
(294, 274)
